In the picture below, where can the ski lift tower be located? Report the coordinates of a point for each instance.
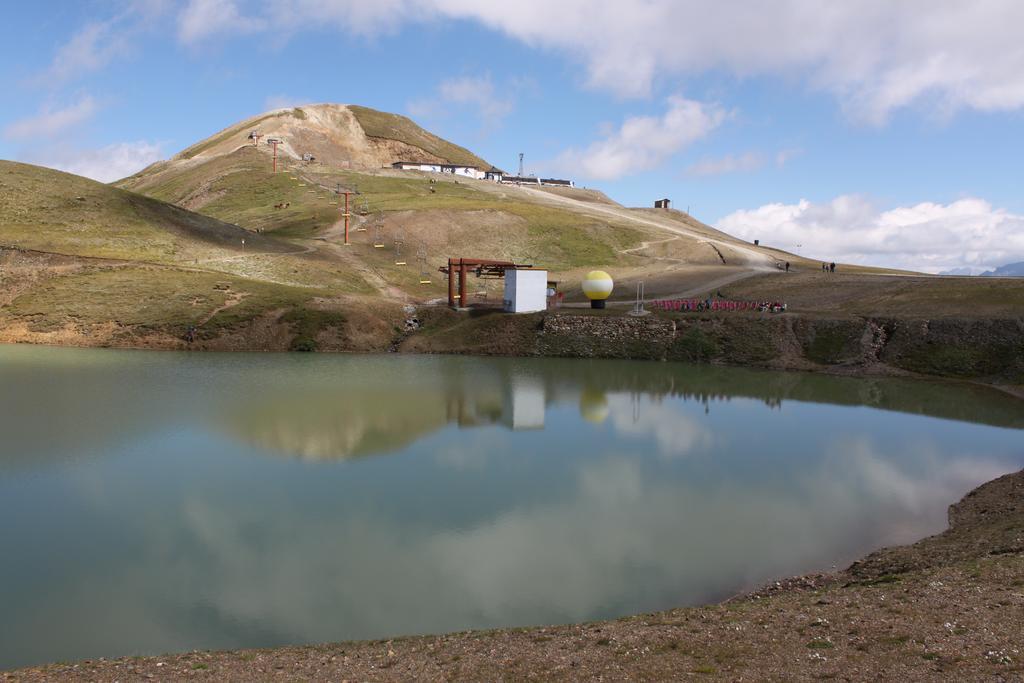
(344, 211)
(274, 142)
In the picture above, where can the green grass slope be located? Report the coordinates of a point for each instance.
(47, 210)
(240, 188)
(86, 263)
(428, 212)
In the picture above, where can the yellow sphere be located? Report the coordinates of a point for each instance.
(597, 285)
(594, 406)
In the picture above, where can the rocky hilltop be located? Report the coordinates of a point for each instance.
(339, 136)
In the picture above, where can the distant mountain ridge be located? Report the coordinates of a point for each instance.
(1008, 270)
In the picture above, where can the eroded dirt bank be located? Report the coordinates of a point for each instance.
(950, 607)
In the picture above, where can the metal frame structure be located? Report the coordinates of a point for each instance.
(485, 268)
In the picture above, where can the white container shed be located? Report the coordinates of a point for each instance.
(526, 290)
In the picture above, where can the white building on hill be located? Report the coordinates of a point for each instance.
(451, 169)
(416, 166)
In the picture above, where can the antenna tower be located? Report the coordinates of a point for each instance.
(520, 164)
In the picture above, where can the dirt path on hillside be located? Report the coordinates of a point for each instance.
(647, 244)
(757, 261)
(248, 265)
(698, 290)
(756, 258)
(232, 300)
(274, 254)
(714, 284)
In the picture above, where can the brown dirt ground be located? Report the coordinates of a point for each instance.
(950, 607)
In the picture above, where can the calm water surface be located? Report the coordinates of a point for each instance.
(153, 502)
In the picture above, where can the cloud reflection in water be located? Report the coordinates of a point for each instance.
(514, 493)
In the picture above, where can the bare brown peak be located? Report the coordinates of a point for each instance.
(266, 126)
(339, 135)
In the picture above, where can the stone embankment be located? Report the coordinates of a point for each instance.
(988, 350)
(985, 349)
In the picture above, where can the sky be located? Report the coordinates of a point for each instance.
(882, 132)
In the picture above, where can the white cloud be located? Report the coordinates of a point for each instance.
(739, 163)
(356, 17)
(783, 156)
(477, 93)
(927, 237)
(875, 55)
(47, 139)
(50, 122)
(91, 48)
(105, 164)
(202, 19)
(743, 163)
(644, 142)
(675, 431)
(98, 43)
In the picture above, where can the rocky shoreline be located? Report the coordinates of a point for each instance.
(948, 607)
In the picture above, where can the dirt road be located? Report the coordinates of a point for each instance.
(754, 256)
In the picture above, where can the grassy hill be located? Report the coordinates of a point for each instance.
(216, 239)
(47, 210)
(83, 262)
(433, 214)
(417, 217)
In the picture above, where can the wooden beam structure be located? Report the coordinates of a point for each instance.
(485, 268)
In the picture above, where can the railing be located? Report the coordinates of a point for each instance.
(700, 305)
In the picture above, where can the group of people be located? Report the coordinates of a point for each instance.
(828, 267)
(709, 304)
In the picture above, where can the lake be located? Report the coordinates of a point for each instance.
(157, 502)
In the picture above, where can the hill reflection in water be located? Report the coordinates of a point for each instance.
(167, 502)
(362, 414)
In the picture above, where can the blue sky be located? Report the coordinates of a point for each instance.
(875, 132)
